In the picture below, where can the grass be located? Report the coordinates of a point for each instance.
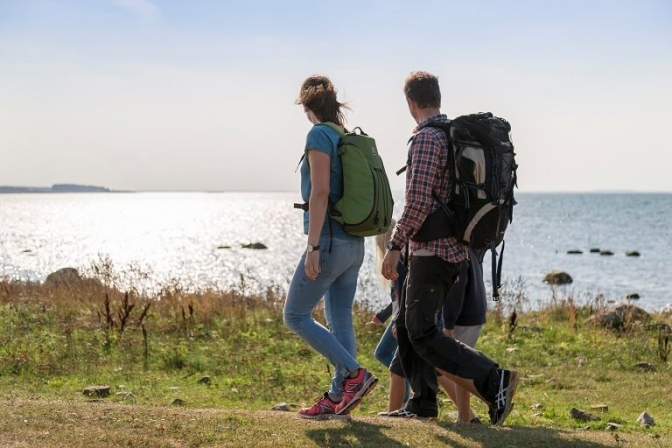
(58, 338)
(76, 424)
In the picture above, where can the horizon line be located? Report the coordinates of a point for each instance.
(35, 189)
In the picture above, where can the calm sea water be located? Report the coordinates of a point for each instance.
(180, 238)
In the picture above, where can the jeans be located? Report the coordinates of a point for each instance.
(386, 346)
(385, 350)
(337, 283)
(422, 344)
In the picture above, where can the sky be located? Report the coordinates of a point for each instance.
(167, 95)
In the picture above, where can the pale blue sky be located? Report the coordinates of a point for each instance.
(198, 95)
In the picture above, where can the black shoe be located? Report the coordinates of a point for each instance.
(503, 400)
(403, 413)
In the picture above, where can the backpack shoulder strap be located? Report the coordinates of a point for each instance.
(442, 125)
(446, 127)
(330, 125)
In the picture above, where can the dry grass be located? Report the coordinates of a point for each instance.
(35, 423)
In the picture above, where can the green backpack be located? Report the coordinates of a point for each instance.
(366, 206)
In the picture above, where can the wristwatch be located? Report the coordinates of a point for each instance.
(392, 246)
(310, 248)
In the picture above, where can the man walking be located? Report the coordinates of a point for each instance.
(433, 266)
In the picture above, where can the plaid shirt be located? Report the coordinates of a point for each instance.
(427, 173)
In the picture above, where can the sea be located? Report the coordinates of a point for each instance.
(195, 241)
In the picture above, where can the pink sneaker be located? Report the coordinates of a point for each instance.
(323, 409)
(354, 389)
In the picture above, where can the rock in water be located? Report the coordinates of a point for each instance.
(70, 278)
(64, 276)
(254, 246)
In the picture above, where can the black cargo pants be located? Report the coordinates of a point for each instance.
(423, 347)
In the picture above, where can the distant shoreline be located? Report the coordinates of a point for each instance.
(56, 188)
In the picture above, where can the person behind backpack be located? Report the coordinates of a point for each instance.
(433, 267)
(387, 345)
(464, 315)
(330, 265)
(462, 318)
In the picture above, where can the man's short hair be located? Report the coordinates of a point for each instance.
(423, 89)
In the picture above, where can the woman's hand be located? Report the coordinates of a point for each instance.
(312, 264)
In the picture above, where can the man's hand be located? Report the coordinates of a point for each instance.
(390, 262)
(449, 333)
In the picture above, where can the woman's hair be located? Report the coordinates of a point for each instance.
(423, 89)
(319, 95)
(381, 246)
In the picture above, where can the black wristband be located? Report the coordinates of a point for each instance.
(392, 246)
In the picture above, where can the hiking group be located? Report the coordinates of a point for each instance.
(458, 201)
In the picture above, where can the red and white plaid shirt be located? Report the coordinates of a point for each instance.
(427, 174)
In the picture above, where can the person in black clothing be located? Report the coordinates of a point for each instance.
(463, 318)
(434, 262)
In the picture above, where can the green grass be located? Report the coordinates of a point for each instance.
(55, 341)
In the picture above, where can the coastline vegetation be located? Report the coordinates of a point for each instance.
(206, 368)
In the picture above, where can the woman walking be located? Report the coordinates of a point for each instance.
(330, 265)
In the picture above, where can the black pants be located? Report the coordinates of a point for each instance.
(422, 345)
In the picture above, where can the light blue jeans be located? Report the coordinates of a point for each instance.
(337, 284)
(384, 351)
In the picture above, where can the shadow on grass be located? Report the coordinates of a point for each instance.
(365, 434)
(508, 436)
(357, 433)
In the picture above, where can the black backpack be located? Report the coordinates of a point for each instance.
(482, 168)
